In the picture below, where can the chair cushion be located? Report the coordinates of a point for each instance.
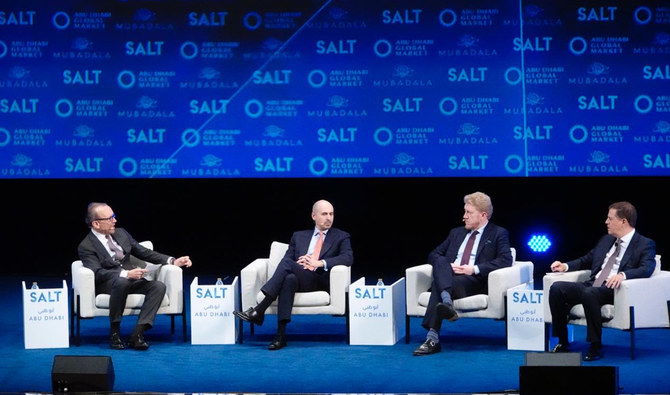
(305, 299)
(134, 301)
(606, 311)
(470, 303)
(277, 252)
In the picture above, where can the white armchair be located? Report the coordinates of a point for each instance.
(418, 280)
(638, 303)
(256, 274)
(86, 304)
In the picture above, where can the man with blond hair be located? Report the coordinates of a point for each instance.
(461, 265)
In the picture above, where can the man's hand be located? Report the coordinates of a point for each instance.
(137, 274)
(468, 270)
(309, 263)
(557, 266)
(183, 261)
(615, 281)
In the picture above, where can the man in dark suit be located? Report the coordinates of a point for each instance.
(304, 268)
(117, 260)
(632, 256)
(461, 265)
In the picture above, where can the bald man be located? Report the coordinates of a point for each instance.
(304, 268)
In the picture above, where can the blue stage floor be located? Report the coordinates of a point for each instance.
(316, 360)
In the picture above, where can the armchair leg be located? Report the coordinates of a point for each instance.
(77, 338)
(406, 329)
(251, 328)
(632, 332)
(172, 324)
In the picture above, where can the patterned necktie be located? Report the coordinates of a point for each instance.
(118, 252)
(465, 259)
(317, 247)
(608, 266)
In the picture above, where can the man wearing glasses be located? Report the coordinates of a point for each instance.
(115, 258)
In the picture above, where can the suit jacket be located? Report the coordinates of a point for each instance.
(638, 261)
(95, 256)
(493, 251)
(336, 249)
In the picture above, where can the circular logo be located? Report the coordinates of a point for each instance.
(3, 49)
(252, 20)
(513, 164)
(253, 108)
(448, 106)
(126, 79)
(4, 141)
(318, 166)
(448, 18)
(189, 50)
(383, 136)
(317, 78)
(513, 75)
(642, 15)
(578, 45)
(643, 104)
(190, 138)
(383, 48)
(64, 108)
(61, 20)
(128, 167)
(581, 129)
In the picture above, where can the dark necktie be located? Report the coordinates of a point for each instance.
(608, 266)
(465, 259)
(118, 252)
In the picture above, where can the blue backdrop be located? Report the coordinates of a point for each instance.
(191, 89)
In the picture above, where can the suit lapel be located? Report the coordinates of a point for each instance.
(485, 239)
(99, 248)
(629, 251)
(328, 242)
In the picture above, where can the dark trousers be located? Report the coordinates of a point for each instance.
(458, 285)
(153, 292)
(290, 278)
(563, 295)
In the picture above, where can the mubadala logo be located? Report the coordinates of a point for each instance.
(337, 18)
(468, 134)
(82, 49)
(22, 167)
(84, 136)
(598, 163)
(210, 166)
(338, 107)
(273, 136)
(598, 74)
(146, 107)
(271, 48)
(661, 134)
(19, 77)
(403, 164)
(535, 104)
(403, 76)
(144, 19)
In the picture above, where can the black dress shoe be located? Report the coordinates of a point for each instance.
(138, 343)
(446, 311)
(428, 347)
(115, 342)
(593, 354)
(251, 315)
(560, 347)
(278, 342)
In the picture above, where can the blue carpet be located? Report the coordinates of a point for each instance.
(317, 359)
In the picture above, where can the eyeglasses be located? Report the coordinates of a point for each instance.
(112, 218)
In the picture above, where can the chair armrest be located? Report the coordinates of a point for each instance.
(418, 279)
(649, 296)
(172, 277)
(500, 280)
(83, 284)
(252, 278)
(340, 278)
(549, 279)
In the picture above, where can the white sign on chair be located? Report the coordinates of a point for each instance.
(212, 319)
(525, 318)
(45, 317)
(376, 313)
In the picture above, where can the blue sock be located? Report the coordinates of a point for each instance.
(446, 297)
(433, 335)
